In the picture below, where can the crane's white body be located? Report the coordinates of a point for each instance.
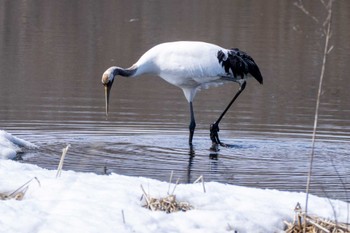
(186, 64)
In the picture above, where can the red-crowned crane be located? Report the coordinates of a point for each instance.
(191, 65)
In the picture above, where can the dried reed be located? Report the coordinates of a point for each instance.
(327, 49)
(19, 193)
(313, 224)
(60, 165)
(168, 204)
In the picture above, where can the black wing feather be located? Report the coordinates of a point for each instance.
(240, 64)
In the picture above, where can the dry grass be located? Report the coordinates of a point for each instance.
(168, 204)
(17, 196)
(19, 193)
(313, 224)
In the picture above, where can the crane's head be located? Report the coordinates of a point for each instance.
(107, 81)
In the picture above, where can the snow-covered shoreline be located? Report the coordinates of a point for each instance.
(87, 202)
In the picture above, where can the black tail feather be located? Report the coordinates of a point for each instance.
(240, 64)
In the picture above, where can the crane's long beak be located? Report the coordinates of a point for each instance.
(107, 91)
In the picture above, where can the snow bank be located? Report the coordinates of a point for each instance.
(86, 202)
(11, 145)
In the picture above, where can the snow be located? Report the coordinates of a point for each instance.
(11, 145)
(87, 202)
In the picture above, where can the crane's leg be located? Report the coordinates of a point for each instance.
(214, 128)
(192, 125)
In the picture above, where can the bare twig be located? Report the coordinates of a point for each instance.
(300, 5)
(177, 182)
(60, 165)
(19, 193)
(170, 179)
(123, 216)
(324, 60)
(327, 49)
(147, 198)
(323, 3)
(200, 179)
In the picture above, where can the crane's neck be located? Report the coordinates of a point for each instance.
(128, 72)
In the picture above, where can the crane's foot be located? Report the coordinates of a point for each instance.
(214, 136)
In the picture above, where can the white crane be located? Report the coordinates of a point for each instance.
(191, 65)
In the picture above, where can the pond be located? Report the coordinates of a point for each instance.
(54, 53)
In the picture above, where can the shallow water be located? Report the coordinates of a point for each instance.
(51, 66)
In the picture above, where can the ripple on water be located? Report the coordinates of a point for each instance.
(265, 162)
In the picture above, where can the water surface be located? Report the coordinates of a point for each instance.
(51, 95)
